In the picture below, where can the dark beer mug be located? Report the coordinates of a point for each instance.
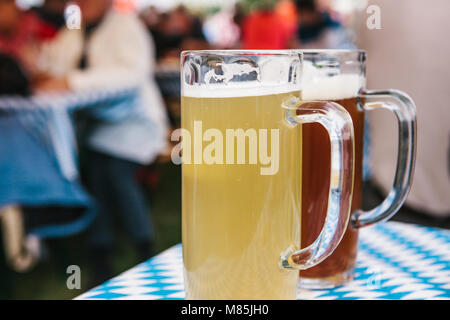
(339, 76)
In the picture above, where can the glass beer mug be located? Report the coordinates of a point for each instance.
(339, 76)
(242, 119)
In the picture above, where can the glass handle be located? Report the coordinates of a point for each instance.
(339, 125)
(405, 111)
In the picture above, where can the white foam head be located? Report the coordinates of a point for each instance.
(317, 84)
(238, 89)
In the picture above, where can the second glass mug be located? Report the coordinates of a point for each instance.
(339, 75)
(242, 119)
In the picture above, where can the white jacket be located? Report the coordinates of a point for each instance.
(120, 53)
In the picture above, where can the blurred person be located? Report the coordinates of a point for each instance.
(264, 28)
(150, 16)
(409, 52)
(287, 10)
(182, 24)
(154, 20)
(221, 30)
(238, 14)
(113, 50)
(21, 33)
(174, 31)
(52, 12)
(317, 30)
(181, 30)
(125, 6)
(13, 80)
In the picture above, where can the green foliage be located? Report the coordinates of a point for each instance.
(258, 5)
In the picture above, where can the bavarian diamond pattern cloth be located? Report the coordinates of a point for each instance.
(395, 261)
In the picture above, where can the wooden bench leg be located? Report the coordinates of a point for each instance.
(18, 256)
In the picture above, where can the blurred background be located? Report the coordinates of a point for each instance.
(89, 94)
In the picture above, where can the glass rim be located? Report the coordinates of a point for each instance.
(241, 52)
(269, 51)
(332, 50)
(346, 54)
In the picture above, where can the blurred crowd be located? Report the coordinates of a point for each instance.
(269, 24)
(248, 24)
(110, 49)
(74, 46)
(113, 45)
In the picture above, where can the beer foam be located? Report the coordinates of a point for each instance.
(319, 85)
(238, 89)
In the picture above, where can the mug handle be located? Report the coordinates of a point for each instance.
(339, 125)
(405, 111)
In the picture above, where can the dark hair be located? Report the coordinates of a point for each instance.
(306, 5)
(13, 80)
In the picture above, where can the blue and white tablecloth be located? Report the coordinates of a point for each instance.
(395, 261)
(38, 153)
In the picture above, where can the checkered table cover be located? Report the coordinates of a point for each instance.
(395, 261)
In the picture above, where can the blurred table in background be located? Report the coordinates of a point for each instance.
(395, 261)
(38, 153)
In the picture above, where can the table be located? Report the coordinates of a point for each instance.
(395, 261)
(38, 153)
